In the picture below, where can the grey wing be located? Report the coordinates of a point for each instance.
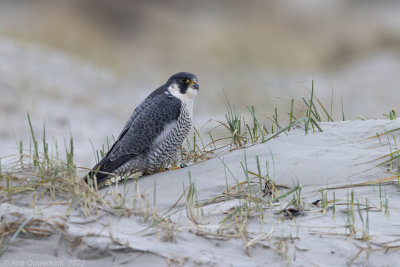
(148, 122)
(139, 109)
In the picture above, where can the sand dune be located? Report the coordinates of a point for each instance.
(226, 228)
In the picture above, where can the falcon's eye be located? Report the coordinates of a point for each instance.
(185, 80)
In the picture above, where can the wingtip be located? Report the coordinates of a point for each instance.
(95, 177)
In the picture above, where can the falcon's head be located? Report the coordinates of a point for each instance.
(184, 86)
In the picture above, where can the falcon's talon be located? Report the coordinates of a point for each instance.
(175, 168)
(183, 165)
(161, 170)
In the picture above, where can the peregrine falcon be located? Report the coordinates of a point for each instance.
(154, 133)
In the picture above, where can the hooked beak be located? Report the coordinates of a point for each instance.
(194, 85)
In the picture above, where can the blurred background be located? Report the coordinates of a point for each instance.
(82, 66)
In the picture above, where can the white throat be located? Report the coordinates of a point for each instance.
(187, 99)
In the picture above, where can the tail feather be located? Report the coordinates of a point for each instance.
(101, 177)
(101, 171)
(104, 169)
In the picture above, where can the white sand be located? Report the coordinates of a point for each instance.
(332, 158)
